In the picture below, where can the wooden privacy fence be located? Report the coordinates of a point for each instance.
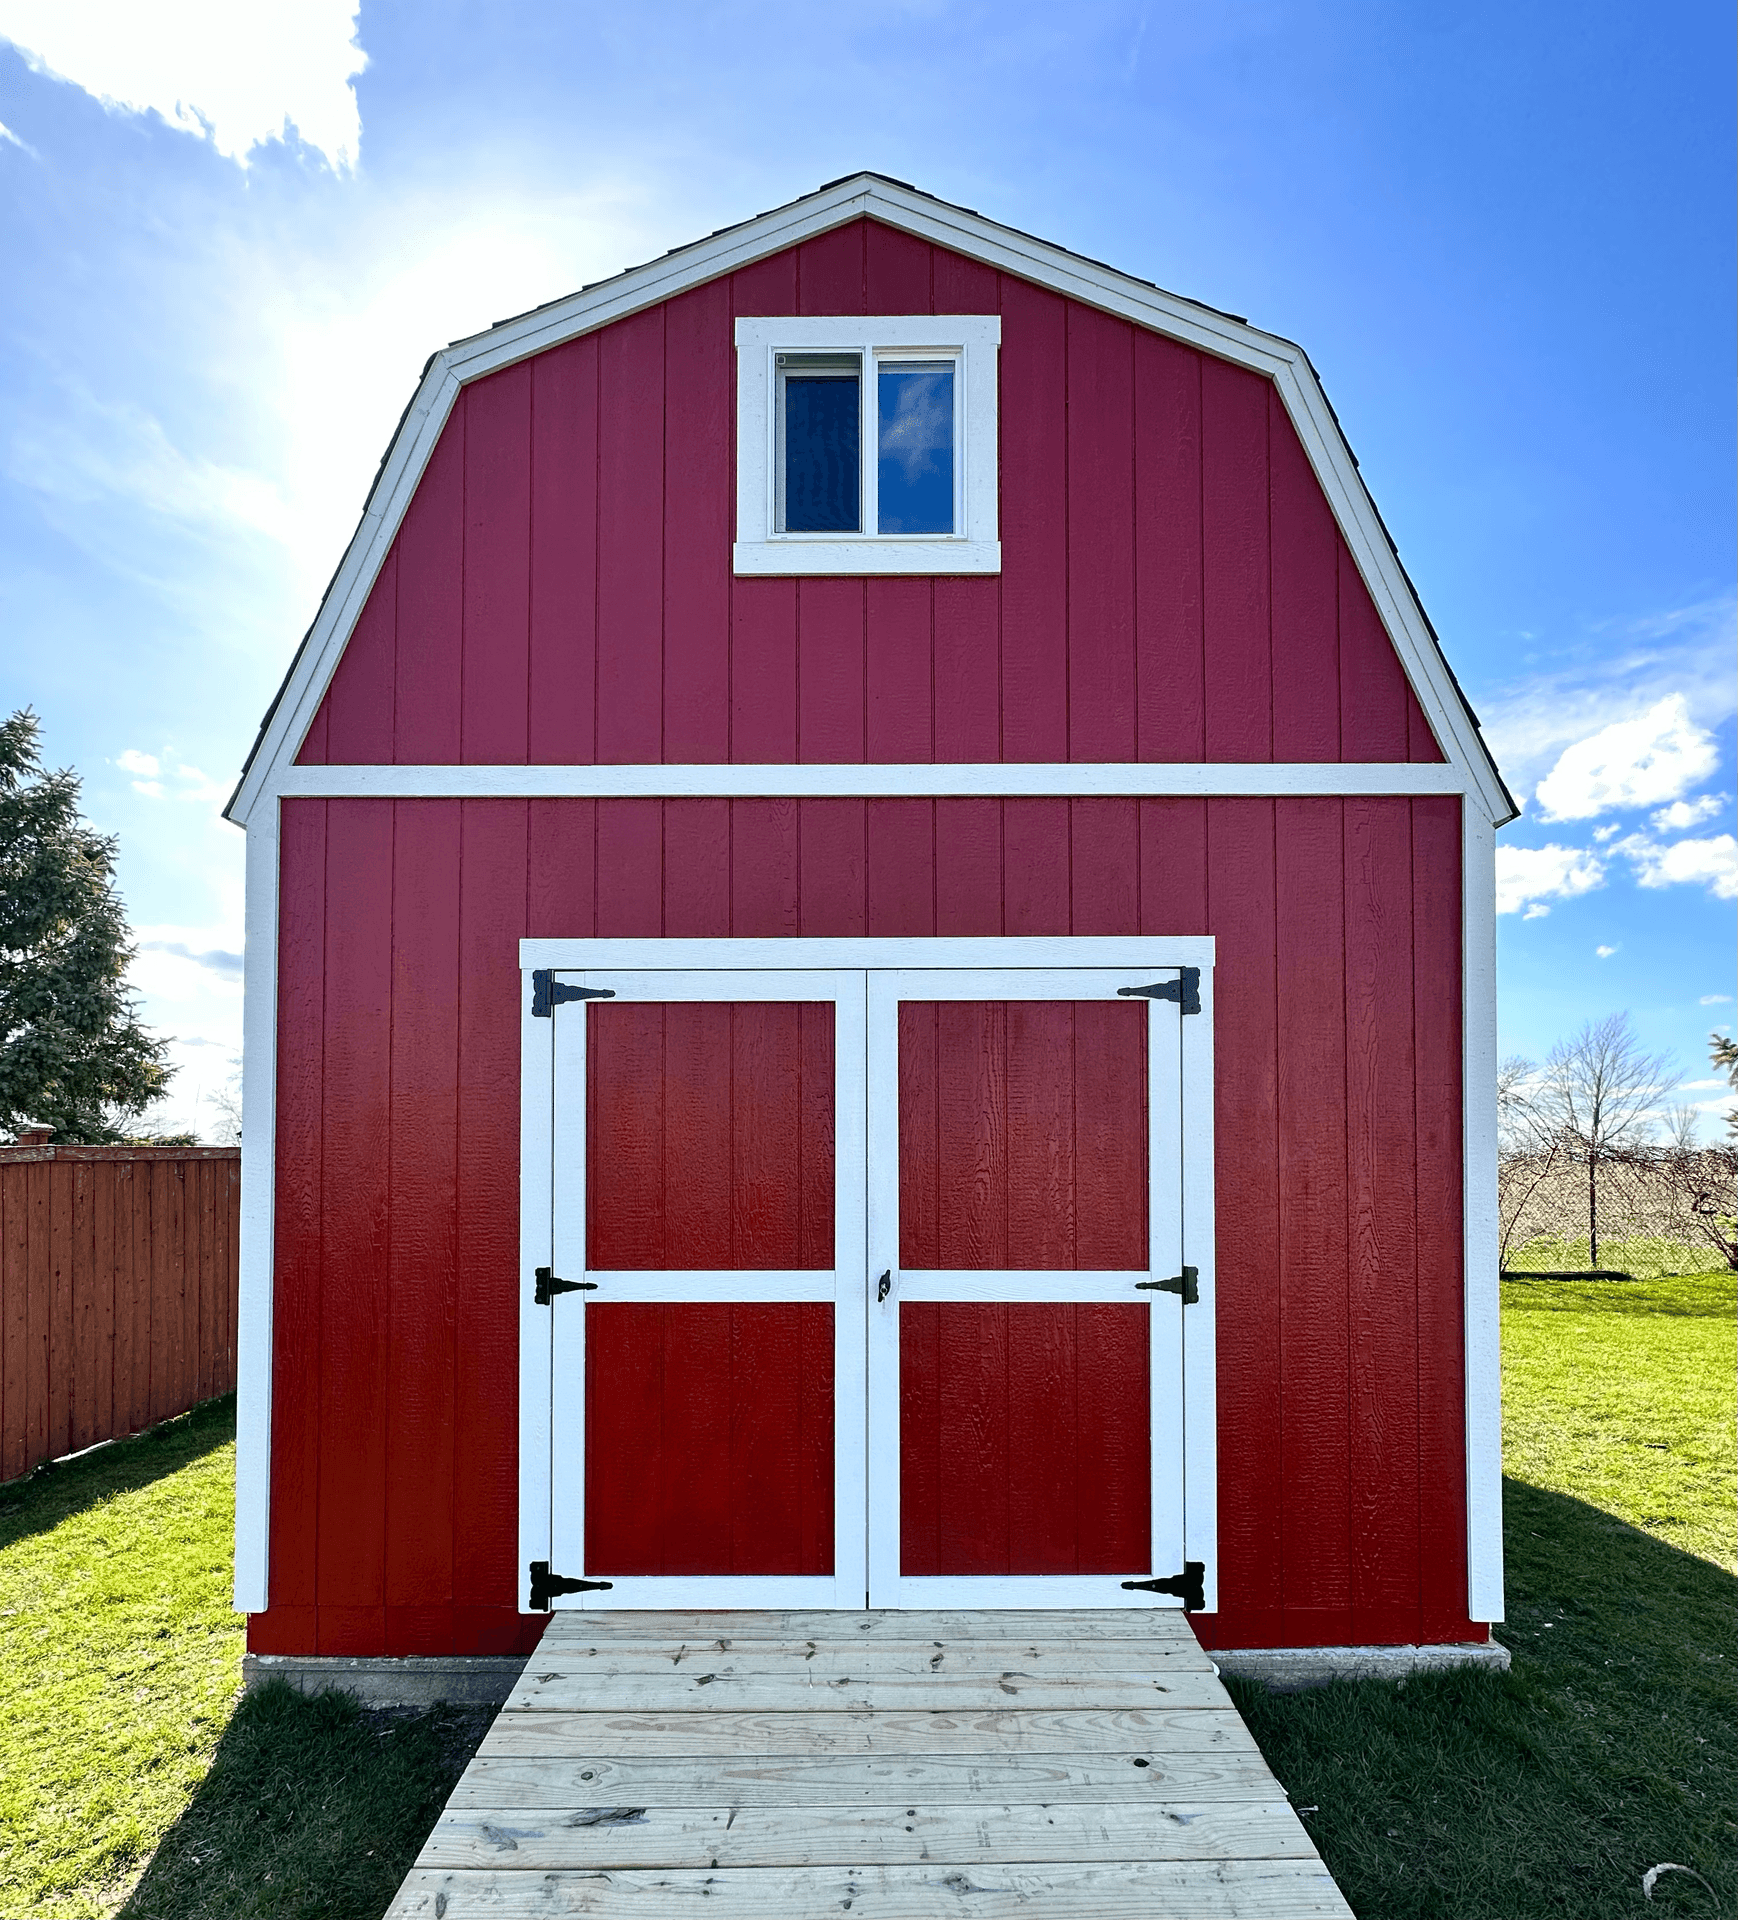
(117, 1291)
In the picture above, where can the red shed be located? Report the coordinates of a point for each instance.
(870, 981)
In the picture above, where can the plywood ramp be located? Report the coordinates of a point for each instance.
(892, 1766)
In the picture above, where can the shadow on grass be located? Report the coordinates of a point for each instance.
(1610, 1747)
(314, 1809)
(58, 1489)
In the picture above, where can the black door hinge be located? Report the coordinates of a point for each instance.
(1185, 990)
(1187, 1283)
(548, 1286)
(1186, 1586)
(546, 1585)
(547, 993)
(884, 1286)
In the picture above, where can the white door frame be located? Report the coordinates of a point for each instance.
(552, 1229)
(888, 1587)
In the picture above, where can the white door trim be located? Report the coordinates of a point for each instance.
(552, 1337)
(1182, 1431)
(553, 1234)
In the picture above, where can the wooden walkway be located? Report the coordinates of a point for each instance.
(889, 1766)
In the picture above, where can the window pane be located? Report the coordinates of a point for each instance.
(915, 470)
(822, 449)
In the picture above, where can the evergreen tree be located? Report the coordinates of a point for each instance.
(73, 1054)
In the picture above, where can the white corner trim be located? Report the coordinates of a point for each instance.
(954, 227)
(1480, 1287)
(253, 1337)
(1076, 779)
(971, 340)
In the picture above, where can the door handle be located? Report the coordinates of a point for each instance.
(884, 1286)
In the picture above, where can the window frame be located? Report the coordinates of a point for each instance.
(972, 342)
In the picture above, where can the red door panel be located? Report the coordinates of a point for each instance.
(709, 1439)
(709, 1427)
(1022, 1134)
(1024, 1443)
(710, 1135)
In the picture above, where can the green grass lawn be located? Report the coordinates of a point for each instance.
(126, 1740)
(1548, 1792)
(1612, 1746)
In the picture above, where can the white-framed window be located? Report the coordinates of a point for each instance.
(867, 445)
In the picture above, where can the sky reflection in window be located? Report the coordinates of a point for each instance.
(914, 476)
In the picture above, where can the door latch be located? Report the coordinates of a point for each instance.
(884, 1286)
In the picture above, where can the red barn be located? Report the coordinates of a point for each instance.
(870, 981)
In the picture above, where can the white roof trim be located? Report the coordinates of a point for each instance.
(929, 219)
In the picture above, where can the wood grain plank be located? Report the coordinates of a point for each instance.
(1170, 646)
(431, 559)
(1234, 534)
(1131, 1890)
(1241, 884)
(359, 703)
(715, 1834)
(1382, 1227)
(699, 387)
(832, 670)
(899, 627)
(1037, 858)
(763, 672)
(966, 1732)
(422, 1228)
(1305, 560)
(764, 868)
(832, 869)
(563, 592)
(595, 1662)
(1311, 1251)
(495, 725)
(493, 864)
(1101, 535)
(901, 868)
(103, 1275)
(799, 1780)
(355, 1306)
(62, 1346)
(968, 672)
(1034, 522)
(14, 1322)
(630, 591)
(1374, 696)
(82, 1430)
(968, 868)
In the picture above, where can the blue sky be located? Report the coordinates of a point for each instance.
(230, 237)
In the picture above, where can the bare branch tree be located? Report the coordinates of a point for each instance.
(1601, 1092)
(1529, 1146)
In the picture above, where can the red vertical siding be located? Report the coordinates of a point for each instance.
(1172, 587)
(1342, 1505)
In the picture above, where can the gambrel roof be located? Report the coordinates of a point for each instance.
(877, 197)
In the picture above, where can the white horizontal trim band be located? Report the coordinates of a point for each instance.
(745, 1287)
(607, 958)
(1077, 779)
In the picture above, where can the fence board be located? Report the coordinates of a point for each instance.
(118, 1277)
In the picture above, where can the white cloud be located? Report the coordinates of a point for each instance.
(1528, 876)
(1603, 834)
(1637, 762)
(1682, 814)
(1712, 863)
(1611, 675)
(1716, 1000)
(12, 140)
(193, 783)
(1604, 953)
(236, 74)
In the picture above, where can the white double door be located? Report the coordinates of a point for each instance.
(852, 1285)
